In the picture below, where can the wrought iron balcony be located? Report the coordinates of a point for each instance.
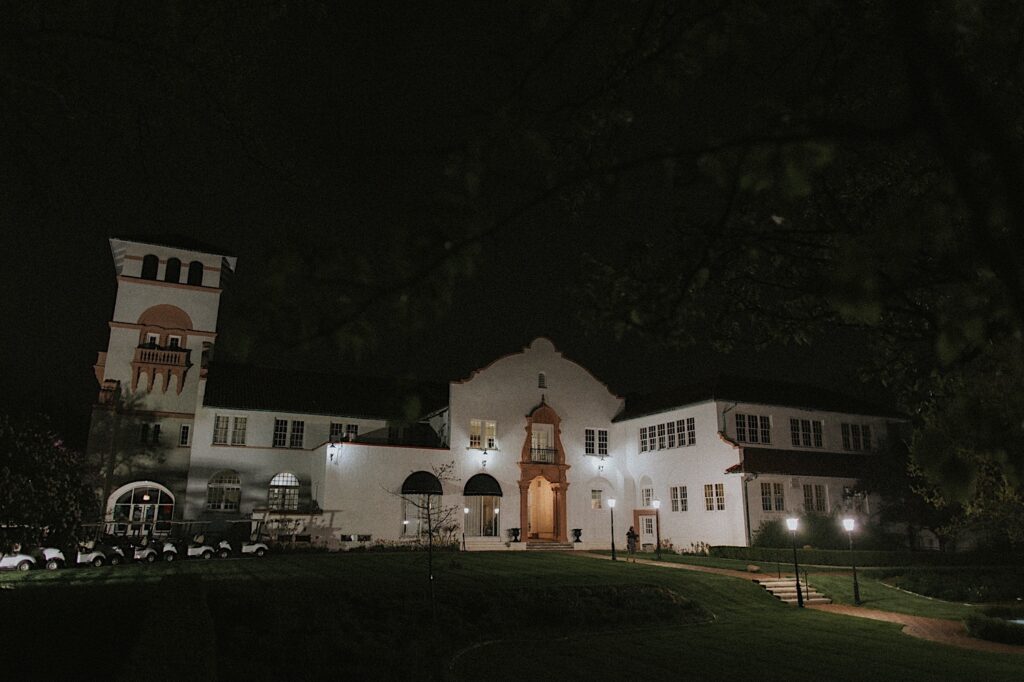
(544, 455)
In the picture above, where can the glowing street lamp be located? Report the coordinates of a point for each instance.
(657, 528)
(848, 525)
(611, 508)
(465, 520)
(792, 523)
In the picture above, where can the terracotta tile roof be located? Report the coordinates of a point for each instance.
(801, 462)
(738, 389)
(249, 387)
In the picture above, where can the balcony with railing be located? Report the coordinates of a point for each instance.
(149, 355)
(543, 455)
(153, 361)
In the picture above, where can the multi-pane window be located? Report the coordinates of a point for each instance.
(773, 497)
(542, 380)
(646, 495)
(220, 430)
(678, 493)
(280, 432)
(224, 491)
(351, 431)
(648, 525)
(337, 432)
(238, 430)
(856, 436)
(183, 434)
(679, 433)
(805, 432)
(284, 492)
(714, 496)
(596, 499)
(298, 433)
(595, 441)
(753, 428)
(483, 434)
(814, 497)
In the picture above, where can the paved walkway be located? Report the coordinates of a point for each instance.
(940, 630)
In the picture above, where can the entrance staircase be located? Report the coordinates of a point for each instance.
(548, 546)
(785, 590)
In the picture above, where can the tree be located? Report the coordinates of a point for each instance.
(46, 489)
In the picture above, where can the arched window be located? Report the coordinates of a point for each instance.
(195, 273)
(418, 507)
(150, 263)
(224, 491)
(483, 500)
(140, 506)
(172, 272)
(284, 492)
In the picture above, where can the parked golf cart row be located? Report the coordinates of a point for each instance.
(187, 540)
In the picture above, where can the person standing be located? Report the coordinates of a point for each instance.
(631, 538)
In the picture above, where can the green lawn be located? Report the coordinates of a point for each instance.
(367, 616)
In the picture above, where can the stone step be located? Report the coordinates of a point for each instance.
(785, 591)
(549, 546)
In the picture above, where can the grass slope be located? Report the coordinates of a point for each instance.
(367, 616)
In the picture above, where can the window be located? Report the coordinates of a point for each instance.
(646, 495)
(648, 525)
(152, 339)
(280, 432)
(753, 428)
(714, 497)
(143, 434)
(220, 430)
(661, 437)
(150, 263)
(805, 433)
(483, 434)
(670, 432)
(643, 439)
(337, 432)
(172, 271)
(224, 491)
(174, 342)
(773, 497)
(596, 499)
(542, 381)
(298, 432)
(195, 273)
(595, 441)
(678, 493)
(238, 431)
(814, 497)
(691, 431)
(856, 436)
(156, 434)
(351, 431)
(183, 434)
(284, 492)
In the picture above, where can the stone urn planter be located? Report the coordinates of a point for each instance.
(513, 534)
(577, 534)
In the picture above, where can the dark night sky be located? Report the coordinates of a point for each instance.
(321, 128)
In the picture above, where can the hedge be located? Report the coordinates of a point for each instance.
(838, 557)
(992, 624)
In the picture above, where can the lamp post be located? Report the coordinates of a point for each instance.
(791, 523)
(465, 520)
(611, 507)
(497, 522)
(657, 528)
(848, 525)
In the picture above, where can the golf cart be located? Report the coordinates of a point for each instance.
(151, 549)
(17, 559)
(95, 552)
(192, 540)
(244, 539)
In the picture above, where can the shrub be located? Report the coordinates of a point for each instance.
(867, 557)
(963, 584)
(994, 629)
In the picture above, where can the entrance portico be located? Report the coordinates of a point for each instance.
(542, 481)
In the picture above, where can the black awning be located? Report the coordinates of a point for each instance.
(421, 483)
(482, 484)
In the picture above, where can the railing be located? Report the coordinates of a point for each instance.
(160, 356)
(545, 455)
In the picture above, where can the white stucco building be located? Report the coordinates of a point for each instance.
(532, 441)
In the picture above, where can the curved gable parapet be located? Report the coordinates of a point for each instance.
(538, 350)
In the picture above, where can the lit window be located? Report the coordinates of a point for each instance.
(483, 434)
(714, 497)
(284, 493)
(596, 499)
(475, 433)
